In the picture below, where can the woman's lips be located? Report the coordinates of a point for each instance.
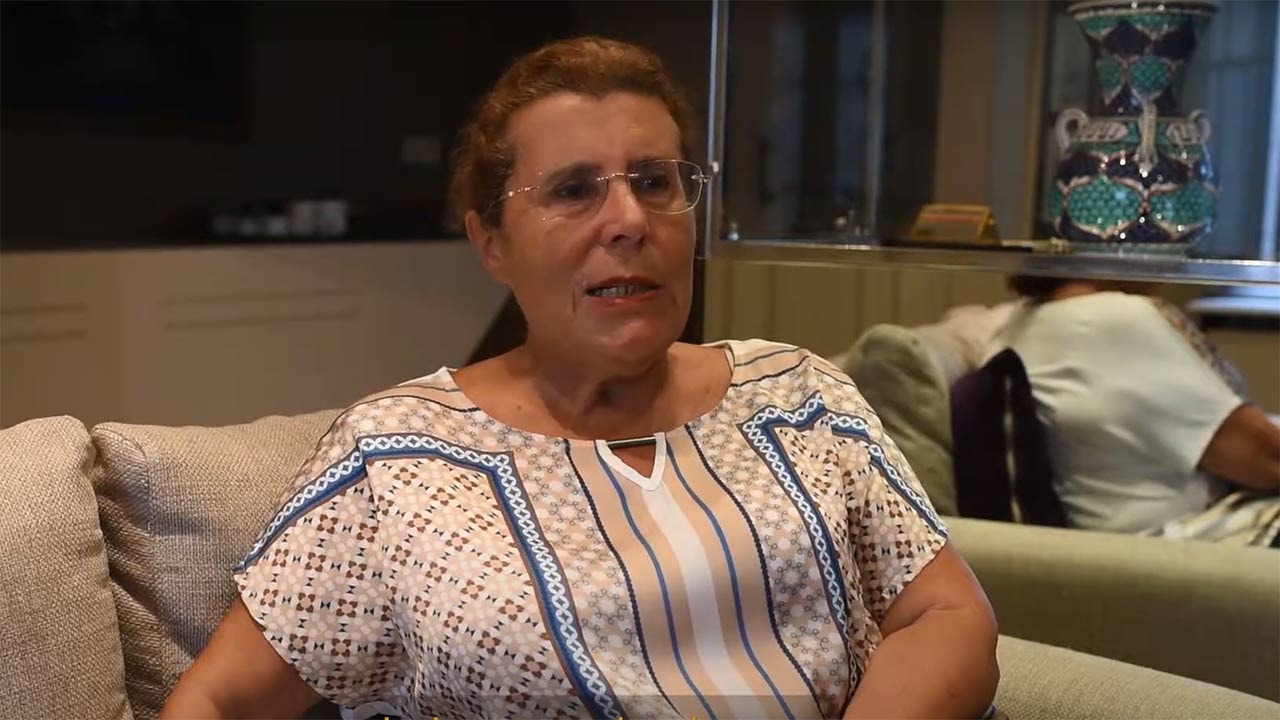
(632, 299)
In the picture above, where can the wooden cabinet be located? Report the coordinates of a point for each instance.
(220, 335)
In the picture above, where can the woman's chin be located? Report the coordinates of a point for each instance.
(631, 349)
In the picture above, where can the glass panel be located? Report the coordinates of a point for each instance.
(835, 116)
(799, 114)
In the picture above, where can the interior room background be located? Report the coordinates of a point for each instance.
(118, 301)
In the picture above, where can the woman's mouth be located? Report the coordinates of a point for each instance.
(620, 290)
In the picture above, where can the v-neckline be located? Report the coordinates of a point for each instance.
(659, 463)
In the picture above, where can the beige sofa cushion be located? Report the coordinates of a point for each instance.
(1040, 682)
(59, 641)
(1199, 610)
(179, 507)
(898, 376)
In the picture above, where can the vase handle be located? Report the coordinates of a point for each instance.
(1147, 124)
(1069, 121)
(1201, 120)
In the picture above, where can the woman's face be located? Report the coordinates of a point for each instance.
(609, 285)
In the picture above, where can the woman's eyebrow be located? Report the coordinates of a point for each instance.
(596, 169)
(646, 158)
(578, 168)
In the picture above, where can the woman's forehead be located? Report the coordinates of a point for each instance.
(569, 128)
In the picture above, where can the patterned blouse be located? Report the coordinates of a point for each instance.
(431, 561)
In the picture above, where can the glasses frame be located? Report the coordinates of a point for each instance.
(606, 181)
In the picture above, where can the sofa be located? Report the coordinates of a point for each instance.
(1201, 610)
(118, 543)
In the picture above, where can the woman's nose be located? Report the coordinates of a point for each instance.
(622, 217)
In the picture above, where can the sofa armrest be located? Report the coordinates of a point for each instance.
(1038, 681)
(1199, 610)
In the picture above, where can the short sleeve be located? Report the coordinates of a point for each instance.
(313, 580)
(894, 530)
(1157, 387)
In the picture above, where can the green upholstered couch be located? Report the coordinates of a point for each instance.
(118, 543)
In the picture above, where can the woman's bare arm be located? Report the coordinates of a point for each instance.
(239, 675)
(938, 655)
(1245, 450)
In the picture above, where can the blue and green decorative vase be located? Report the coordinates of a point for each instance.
(1135, 177)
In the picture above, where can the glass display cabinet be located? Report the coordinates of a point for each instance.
(832, 125)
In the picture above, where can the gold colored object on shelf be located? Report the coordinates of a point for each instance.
(955, 224)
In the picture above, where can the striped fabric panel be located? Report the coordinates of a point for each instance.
(700, 587)
(760, 360)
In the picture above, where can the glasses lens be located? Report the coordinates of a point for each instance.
(570, 194)
(691, 179)
(668, 186)
(657, 186)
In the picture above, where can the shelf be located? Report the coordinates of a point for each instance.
(1018, 260)
(1031, 257)
(39, 244)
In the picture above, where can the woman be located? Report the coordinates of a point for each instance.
(1144, 418)
(469, 544)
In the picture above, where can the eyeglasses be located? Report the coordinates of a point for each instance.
(664, 187)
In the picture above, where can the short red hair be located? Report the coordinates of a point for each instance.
(593, 66)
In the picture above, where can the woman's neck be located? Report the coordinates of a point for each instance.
(593, 398)
(1076, 288)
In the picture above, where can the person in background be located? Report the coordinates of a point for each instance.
(602, 522)
(1150, 430)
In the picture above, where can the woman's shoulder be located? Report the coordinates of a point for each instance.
(403, 407)
(1081, 324)
(785, 370)
(759, 358)
(1102, 310)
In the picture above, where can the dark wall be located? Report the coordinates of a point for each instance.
(679, 31)
(329, 92)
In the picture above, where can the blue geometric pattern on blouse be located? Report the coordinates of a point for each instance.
(339, 475)
(851, 426)
(591, 683)
(761, 433)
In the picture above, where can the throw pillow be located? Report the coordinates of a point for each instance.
(900, 379)
(179, 507)
(59, 641)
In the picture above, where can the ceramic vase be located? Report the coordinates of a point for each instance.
(1135, 176)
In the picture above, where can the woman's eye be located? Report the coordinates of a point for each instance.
(573, 190)
(658, 182)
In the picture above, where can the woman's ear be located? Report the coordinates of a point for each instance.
(486, 241)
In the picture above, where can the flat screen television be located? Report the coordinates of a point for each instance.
(131, 66)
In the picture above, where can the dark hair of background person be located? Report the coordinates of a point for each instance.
(1036, 287)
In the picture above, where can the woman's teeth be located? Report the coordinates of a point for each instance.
(616, 291)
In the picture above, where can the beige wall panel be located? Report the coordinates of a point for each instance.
(55, 330)
(879, 298)
(753, 300)
(815, 308)
(1256, 353)
(220, 335)
(922, 296)
(717, 311)
(978, 288)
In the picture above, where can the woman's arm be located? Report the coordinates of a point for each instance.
(1245, 450)
(239, 675)
(938, 655)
